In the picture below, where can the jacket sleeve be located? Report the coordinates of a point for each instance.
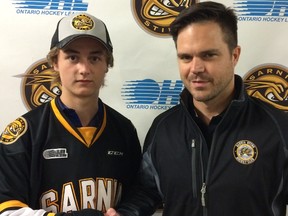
(145, 197)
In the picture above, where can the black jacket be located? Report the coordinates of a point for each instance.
(245, 173)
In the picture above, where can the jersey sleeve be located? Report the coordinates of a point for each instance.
(15, 187)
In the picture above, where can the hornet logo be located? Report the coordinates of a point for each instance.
(155, 16)
(38, 85)
(269, 83)
(14, 131)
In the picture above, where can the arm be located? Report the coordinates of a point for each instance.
(145, 198)
(14, 170)
(146, 195)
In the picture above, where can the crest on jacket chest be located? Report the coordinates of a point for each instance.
(245, 152)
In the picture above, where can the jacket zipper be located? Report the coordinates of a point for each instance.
(194, 176)
(205, 176)
(203, 191)
(204, 180)
(194, 171)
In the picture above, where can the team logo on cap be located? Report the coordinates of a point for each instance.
(38, 86)
(155, 16)
(245, 152)
(82, 22)
(269, 82)
(14, 131)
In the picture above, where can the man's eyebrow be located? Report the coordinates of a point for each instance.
(70, 50)
(198, 53)
(97, 52)
(181, 54)
(210, 50)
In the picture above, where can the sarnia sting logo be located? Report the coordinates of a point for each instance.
(268, 82)
(38, 84)
(155, 16)
(245, 152)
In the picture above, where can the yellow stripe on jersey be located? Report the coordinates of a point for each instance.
(87, 141)
(103, 125)
(89, 132)
(64, 122)
(12, 204)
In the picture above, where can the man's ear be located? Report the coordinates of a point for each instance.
(236, 54)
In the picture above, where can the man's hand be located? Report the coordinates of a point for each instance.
(111, 212)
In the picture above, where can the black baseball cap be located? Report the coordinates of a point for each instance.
(80, 25)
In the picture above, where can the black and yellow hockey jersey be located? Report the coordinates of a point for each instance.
(47, 163)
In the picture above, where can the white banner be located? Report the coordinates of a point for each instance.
(143, 50)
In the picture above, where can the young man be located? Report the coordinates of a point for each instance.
(219, 152)
(74, 154)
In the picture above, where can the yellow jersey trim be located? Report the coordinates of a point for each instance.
(64, 122)
(71, 130)
(12, 204)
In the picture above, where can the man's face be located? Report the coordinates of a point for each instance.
(82, 66)
(205, 63)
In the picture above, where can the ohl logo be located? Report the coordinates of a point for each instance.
(38, 85)
(148, 92)
(261, 8)
(65, 5)
(155, 16)
(269, 83)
